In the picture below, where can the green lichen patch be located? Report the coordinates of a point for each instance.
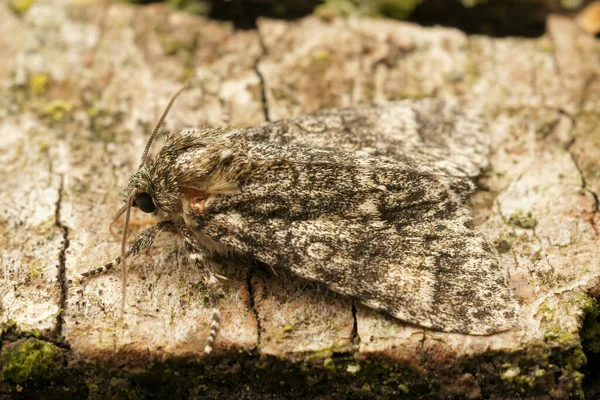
(389, 378)
(530, 371)
(353, 368)
(555, 334)
(329, 364)
(190, 6)
(35, 271)
(38, 84)
(321, 56)
(525, 221)
(537, 368)
(397, 9)
(30, 360)
(590, 330)
(516, 380)
(56, 110)
(21, 6)
(8, 328)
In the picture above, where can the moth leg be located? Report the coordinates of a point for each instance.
(143, 241)
(214, 293)
(202, 260)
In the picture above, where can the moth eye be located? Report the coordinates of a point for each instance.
(144, 202)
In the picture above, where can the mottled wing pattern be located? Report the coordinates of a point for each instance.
(379, 230)
(443, 133)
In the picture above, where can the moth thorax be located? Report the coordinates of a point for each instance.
(193, 198)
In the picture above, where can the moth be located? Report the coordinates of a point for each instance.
(370, 201)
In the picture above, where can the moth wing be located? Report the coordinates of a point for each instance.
(444, 133)
(384, 233)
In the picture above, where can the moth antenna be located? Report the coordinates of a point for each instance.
(121, 211)
(123, 255)
(161, 120)
(127, 208)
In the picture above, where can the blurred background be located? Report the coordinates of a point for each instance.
(489, 17)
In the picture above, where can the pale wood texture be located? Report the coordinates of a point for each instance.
(81, 86)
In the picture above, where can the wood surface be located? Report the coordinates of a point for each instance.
(81, 85)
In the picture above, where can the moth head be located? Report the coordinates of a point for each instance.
(139, 190)
(142, 193)
(153, 190)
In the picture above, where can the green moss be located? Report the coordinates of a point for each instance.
(321, 56)
(336, 7)
(9, 326)
(397, 9)
(388, 377)
(353, 368)
(44, 146)
(29, 359)
(527, 372)
(35, 271)
(190, 6)
(56, 110)
(329, 364)
(21, 6)
(590, 330)
(523, 221)
(568, 342)
(38, 84)
(516, 381)
(524, 373)
(571, 4)
(92, 111)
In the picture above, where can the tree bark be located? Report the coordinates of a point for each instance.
(82, 85)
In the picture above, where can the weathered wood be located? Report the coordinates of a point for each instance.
(81, 87)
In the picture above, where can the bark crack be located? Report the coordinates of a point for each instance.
(584, 93)
(354, 337)
(594, 195)
(62, 256)
(261, 78)
(253, 308)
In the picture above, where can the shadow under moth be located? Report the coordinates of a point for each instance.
(369, 201)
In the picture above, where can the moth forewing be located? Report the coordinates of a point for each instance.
(368, 201)
(393, 238)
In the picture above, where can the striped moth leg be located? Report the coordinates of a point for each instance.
(142, 242)
(203, 261)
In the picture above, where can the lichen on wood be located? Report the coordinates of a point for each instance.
(78, 98)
